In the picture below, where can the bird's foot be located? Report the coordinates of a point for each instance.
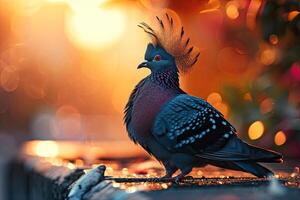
(167, 177)
(158, 179)
(169, 172)
(178, 179)
(155, 179)
(183, 174)
(164, 178)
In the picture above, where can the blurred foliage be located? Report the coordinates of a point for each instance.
(274, 96)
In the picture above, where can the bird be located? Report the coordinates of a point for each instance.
(180, 130)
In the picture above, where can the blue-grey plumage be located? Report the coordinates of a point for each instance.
(183, 131)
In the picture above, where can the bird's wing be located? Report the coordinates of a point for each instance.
(189, 124)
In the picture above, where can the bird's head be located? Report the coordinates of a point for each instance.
(170, 49)
(158, 60)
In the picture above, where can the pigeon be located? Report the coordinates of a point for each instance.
(183, 131)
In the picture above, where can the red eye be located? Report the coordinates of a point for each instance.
(157, 58)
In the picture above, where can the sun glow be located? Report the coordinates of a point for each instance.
(83, 5)
(89, 25)
(97, 28)
(46, 149)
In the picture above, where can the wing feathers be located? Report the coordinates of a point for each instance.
(237, 150)
(191, 125)
(188, 122)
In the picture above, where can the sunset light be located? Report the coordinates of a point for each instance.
(149, 99)
(94, 27)
(46, 149)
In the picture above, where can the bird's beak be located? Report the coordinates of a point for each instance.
(143, 64)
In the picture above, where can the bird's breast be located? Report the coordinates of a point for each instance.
(146, 107)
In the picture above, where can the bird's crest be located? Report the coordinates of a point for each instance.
(169, 34)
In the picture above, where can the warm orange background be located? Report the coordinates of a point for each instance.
(68, 66)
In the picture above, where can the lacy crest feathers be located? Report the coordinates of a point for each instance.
(170, 34)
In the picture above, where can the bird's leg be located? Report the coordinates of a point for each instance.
(183, 173)
(170, 170)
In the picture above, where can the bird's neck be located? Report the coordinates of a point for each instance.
(168, 78)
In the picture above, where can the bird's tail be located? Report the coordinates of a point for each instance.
(238, 151)
(238, 155)
(253, 168)
(262, 155)
(245, 166)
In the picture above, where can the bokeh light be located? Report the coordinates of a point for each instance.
(252, 13)
(9, 79)
(295, 71)
(247, 97)
(212, 5)
(232, 10)
(95, 28)
(223, 108)
(266, 105)
(68, 122)
(46, 149)
(256, 130)
(280, 138)
(292, 15)
(214, 98)
(273, 39)
(268, 56)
